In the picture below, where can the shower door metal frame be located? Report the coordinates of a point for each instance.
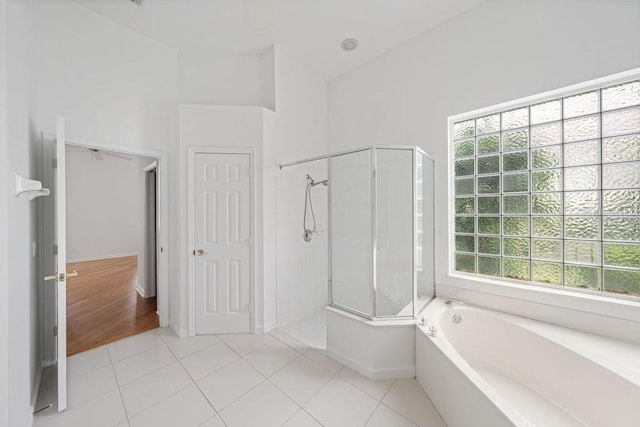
(374, 233)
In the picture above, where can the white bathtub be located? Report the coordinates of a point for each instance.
(493, 369)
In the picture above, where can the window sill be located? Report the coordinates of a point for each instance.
(620, 308)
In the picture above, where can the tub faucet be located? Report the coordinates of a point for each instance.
(453, 301)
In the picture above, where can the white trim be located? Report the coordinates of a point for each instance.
(151, 167)
(140, 291)
(182, 333)
(191, 153)
(263, 329)
(374, 374)
(600, 303)
(101, 257)
(610, 80)
(162, 189)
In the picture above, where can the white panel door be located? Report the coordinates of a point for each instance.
(222, 239)
(55, 251)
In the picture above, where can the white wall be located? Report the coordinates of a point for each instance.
(226, 127)
(105, 206)
(302, 267)
(300, 130)
(4, 225)
(496, 52)
(220, 79)
(113, 86)
(106, 214)
(22, 155)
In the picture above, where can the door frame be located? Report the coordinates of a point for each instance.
(192, 151)
(162, 212)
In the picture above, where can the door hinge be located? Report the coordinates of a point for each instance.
(55, 249)
(55, 331)
(249, 172)
(249, 242)
(55, 163)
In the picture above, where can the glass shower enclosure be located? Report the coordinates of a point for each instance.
(379, 235)
(381, 240)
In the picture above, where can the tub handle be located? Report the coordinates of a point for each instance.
(432, 331)
(453, 301)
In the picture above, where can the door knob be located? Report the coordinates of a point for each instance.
(62, 276)
(198, 252)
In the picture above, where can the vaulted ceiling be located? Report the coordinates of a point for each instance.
(311, 30)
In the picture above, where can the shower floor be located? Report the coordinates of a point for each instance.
(312, 330)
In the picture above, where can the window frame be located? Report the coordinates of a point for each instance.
(529, 285)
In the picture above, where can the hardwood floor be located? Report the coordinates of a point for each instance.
(103, 305)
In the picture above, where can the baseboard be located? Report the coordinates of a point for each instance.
(97, 258)
(140, 290)
(374, 374)
(263, 329)
(182, 333)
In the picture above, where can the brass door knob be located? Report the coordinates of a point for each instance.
(198, 252)
(62, 276)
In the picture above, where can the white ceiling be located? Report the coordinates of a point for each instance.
(310, 30)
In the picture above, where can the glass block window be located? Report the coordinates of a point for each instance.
(550, 192)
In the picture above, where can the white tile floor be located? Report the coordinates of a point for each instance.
(312, 330)
(157, 379)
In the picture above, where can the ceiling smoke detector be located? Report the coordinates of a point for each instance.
(349, 44)
(137, 2)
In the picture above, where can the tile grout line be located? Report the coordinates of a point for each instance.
(161, 400)
(193, 382)
(198, 386)
(274, 339)
(113, 369)
(380, 403)
(402, 415)
(265, 377)
(369, 379)
(134, 354)
(145, 375)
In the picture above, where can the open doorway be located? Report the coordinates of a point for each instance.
(112, 242)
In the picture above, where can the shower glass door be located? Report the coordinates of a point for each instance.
(394, 232)
(351, 231)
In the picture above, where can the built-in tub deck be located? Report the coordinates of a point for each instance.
(497, 369)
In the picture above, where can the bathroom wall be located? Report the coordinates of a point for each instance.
(113, 86)
(296, 129)
(303, 286)
(499, 51)
(300, 131)
(227, 127)
(4, 226)
(218, 79)
(21, 347)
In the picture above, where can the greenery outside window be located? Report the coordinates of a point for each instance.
(549, 192)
